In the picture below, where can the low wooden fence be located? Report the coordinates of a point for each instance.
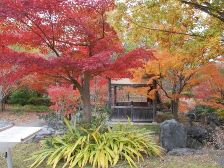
(132, 113)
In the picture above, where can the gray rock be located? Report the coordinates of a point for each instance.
(45, 131)
(173, 135)
(184, 151)
(60, 132)
(197, 132)
(194, 143)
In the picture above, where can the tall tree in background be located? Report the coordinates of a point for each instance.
(73, 39)
(188, 37)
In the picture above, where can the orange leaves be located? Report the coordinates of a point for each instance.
(168, 65)
(212, 74)
(152, 94)
(210, 91)
(173, 73)
(165, 62)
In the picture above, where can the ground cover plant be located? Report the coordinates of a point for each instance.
(81, 147)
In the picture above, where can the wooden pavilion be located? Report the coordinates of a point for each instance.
(140, 110)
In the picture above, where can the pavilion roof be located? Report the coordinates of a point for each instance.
(128, 82)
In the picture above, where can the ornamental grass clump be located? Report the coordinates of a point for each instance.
(81, 147)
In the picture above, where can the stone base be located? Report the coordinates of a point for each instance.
(184, 152)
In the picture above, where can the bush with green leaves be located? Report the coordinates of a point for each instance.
(220, 114)
(81, 147)
(25, 96)
(45, 101)
(163, 116)
(101, 115)
(208, 114)
(28, 108)
(202, 111)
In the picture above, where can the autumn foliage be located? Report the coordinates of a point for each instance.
(64, 99)
(173, 73)
(210, 91)
(73, 43)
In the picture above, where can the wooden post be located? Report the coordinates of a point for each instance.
(154, 109)
(109, 93)
(154, 101)
(115, 95)
(132, 110)
(9, 158)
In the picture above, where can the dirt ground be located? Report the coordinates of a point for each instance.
(20, 118)
(208, 159)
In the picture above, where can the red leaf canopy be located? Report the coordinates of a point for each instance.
(72, 38)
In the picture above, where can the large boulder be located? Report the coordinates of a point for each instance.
(173, 135)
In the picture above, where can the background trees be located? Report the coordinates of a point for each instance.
(188, 38)
(210, 91)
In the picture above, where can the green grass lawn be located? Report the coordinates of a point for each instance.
(154, 128)
(23, 151)
(28, 108)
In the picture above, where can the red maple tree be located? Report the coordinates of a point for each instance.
(73, 39)
(210, 92)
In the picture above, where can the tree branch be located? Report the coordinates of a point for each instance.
(205, 9)
(163, 30)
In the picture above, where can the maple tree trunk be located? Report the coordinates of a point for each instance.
(175, 108)
(85, 96)
(3, 102)
(3, 105)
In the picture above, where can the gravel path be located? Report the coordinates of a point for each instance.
(26, 119)
(33, 123)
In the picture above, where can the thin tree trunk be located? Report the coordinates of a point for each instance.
(109, 93)
(154, 101)
(3, 105)
(175, 108)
